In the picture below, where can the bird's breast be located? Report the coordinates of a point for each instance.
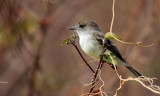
(90, 46)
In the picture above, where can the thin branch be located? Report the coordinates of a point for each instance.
(154, 88)
(129, 43)
(1, 82)
(89, 62)
(73, 43)
(100, 88)
(97, 71)
(113, 15)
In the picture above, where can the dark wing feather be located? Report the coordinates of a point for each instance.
(110, 46)
(99, 37)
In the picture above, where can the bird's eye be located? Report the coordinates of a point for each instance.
(82, 26)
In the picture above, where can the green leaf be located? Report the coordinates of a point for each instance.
(74, 36)
(113, 55)
(65, 42)
(109, 36)
(110, 58)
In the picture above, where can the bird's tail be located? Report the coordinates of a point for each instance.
(136, 73)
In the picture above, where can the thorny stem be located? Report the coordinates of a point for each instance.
(73, 43)
(97, 71)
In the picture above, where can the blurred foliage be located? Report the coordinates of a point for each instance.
(68, 39)
(27, 28)
(1, 36)
(34, 64)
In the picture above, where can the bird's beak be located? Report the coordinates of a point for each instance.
(72, 28)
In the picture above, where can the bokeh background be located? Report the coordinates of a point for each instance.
(34, 64)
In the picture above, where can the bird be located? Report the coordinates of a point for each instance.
(91, 40)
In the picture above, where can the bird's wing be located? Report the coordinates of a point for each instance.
(112, 47)
(99, 37)
(109, 44)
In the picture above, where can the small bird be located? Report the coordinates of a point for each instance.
(91, 41)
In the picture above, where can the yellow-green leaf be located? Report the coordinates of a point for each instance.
(109, 36)
(110, 58)
(65, 42)
(74, 36)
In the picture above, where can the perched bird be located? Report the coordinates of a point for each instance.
(91, 40)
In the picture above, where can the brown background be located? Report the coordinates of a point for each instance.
(34, 64)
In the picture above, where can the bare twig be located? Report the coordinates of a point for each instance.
(98, 68)
(100, 88)
(1, 82)
(154, 88)
(129, 43)
(73, 43)
(89, 62)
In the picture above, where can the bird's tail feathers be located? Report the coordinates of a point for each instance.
(135, 72)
